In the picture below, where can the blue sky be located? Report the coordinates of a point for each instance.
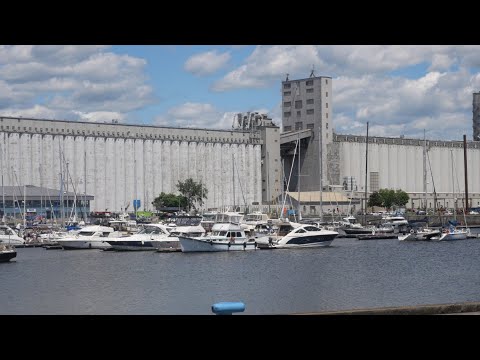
(399, 89)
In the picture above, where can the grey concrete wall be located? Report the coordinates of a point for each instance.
(318, 90)
(118, 163)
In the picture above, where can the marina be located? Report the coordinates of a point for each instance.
(348, 274)
(167, 191)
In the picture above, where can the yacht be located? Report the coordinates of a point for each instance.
(9, 236)
(7, 252)
(224, 237)
(188, 226)
(89, 237)
(452, 233)
(295, 235)
(144, 240)
(208, 220)
(420, 234)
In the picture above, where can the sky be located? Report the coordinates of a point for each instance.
(398, 89)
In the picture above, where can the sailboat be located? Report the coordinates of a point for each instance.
(452, 232)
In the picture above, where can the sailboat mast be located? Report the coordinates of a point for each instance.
(298, 183)
(466, 174)
(233, 178)
(3, 189)
(453, 182)
(24, 207)
(85, 186)
(366, 179)
(321, 170)
(424, 170)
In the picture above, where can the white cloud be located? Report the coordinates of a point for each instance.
(71, 80)
(101, 116)
(437, 102)
(269, 64)
(206, 63)
(196, 115)
(201, 115)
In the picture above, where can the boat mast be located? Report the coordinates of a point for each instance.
(233, 178)
(24, 207)
(453, 183)
(424, 171)
(3, 188)
(433, 184)
(320, 153)
(366, 178)
(85, 187)
(466, 174)
(298, 183)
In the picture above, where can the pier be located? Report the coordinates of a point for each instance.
(467, 308)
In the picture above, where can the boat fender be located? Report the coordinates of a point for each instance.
(90, 245)
(412, 231)
(229, 246)
(244, 245)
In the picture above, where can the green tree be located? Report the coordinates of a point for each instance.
(375, 200)
(169, 200)
(193, 192)
(401, 198)
(388, 197)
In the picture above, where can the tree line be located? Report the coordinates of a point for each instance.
(388, 198)
(192, 194)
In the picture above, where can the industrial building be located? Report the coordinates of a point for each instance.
(421, 168)
(253, 164)
(33, 201)
(119, 163)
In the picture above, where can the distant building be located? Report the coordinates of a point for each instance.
(393, 162)
(43, 202)
(120, 163)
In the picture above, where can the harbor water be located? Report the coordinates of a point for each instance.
(349, 274)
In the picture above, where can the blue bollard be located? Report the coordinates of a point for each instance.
(228, 308)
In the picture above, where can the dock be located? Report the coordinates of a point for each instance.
(377, 237)
(466, 308)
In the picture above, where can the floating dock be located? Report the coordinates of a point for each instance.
(377, 237)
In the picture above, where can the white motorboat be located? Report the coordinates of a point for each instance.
(144, 240)
(7, 252)
(224, 237)
(452, 233)
(188, 226)
(89, 237)
(294, 235)
(9, 236)
(425, 234)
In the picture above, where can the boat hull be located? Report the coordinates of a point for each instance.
(6, 256)
(452, 237)
(132, 245)
(308, 241)
(83, 244)
(165, 246)
(203, 245)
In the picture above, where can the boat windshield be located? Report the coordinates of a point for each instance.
(151, 230)
(208, 217)
(311, 228)
(188, 221)
(253, 217)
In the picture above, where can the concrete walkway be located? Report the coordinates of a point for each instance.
(467, 308)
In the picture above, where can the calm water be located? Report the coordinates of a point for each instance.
(349, 274)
